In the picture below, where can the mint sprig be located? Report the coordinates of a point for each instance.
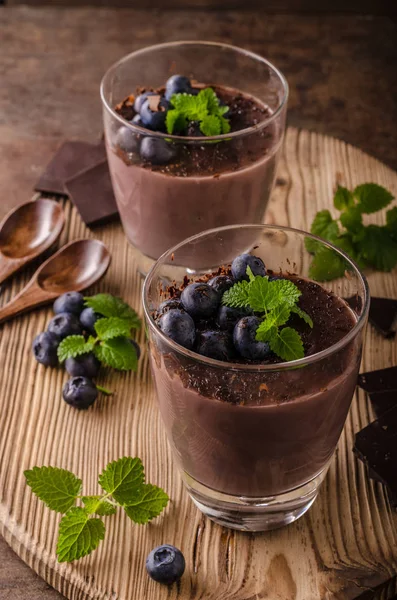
(369, 245)
(204, 108)
(111, 344)
(274, 301)
(123, 482)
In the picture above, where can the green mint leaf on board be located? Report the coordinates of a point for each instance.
(210, 125)
(79, 535)
(111, 327)
(377, 247)
(122, 478)
(118, 353)
(352, 219)
(237, 296)
(323, 226)
(103, 390)
(303, 315)
(326, 265)
(147, 505)
(372, 197)
(74, 345)
(287, 344)
(391, 222)
(57, 488)
(99, 506)
(111, 306)
(343, 198)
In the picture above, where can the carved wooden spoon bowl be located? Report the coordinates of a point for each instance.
(26, 232)
(74, 267)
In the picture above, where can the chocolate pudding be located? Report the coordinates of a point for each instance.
(203, 184)
(253, 433)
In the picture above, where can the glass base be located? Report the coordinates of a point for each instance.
(254, 514)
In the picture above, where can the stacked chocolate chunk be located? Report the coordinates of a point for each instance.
(376, 444)
(80, 170)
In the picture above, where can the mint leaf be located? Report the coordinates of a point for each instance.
(391, 222)
(343, 198)
(251, 276)
(372, 197)
(118, 353)
(211, 100)
(265, 333)
(326, 265)
(287, 344)
(377, 247)
(175, 121)
(147, 504)
(111, 327)
(225, 125)
(57, 488)
(99, 506)
(111, 306)
(352, 219)
(210, 125)
(72, 346)
(104, 391)
(79, 535)
(122, 478)
(303, 315)
(325, 227)
(286, 291)
(277, 317)
(237, 295)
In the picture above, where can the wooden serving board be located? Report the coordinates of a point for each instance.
(345, 544)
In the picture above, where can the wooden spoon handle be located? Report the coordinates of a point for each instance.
(8, 266)
(30, 297)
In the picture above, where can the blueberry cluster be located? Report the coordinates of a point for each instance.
(151, 114)
(71, 318)
(198, 321)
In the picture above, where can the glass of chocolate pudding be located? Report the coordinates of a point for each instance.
(173, 180)
(253, 435)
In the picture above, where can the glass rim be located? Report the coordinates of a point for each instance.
(190, 139)
(281, 366)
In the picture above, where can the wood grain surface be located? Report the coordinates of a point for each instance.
(345, 544)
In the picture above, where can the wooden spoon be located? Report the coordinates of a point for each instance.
(26, 232)
(74, 267)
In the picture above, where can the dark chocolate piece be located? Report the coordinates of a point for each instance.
(92, 193)
(384, 591)
(70, 159)
(382, 380)
(382, 315)
(383, 401)
(376, 446)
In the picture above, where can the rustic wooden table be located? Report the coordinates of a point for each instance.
(340, 69)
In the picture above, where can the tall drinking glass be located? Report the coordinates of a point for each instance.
(253, 442)
(209, 181)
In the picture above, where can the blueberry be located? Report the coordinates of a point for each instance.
(179, 326)
(240, 264)
(275, 277)
(157, 151)
(165, 564)
(193, 129)
(45, 347)
(200, 300)
(64, 324)
(71, 302)
(245, 342)
(168, 305)
(79, 392)
(127, 140)
(221, 283)
(138, 121)
(88, 318)
(139, 100)
(216, 344)
(177, 84)
(227, 317)
(86, 365)
(137, 348)
(153, 119)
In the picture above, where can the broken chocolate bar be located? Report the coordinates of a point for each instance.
(92, 193)
(382, 315)
(382, 380)
(71, 158)
(384, 591)
(376, 446)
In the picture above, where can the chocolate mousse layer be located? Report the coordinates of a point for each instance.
(204, 185)
(259, 433)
